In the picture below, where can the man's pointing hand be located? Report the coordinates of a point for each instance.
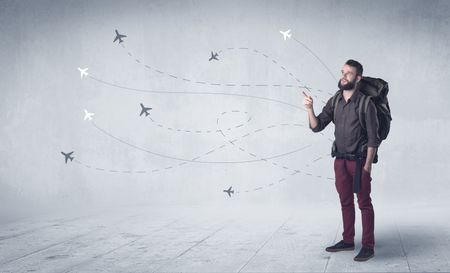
(307, 101)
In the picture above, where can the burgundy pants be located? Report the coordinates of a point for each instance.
(345, 171)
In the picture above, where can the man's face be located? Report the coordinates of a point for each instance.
(349, 78)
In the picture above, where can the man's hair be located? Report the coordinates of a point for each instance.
(357, 65)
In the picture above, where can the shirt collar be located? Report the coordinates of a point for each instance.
(355, 97)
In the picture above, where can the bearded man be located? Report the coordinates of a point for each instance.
(355, 149)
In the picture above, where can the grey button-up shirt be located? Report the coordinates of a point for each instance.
(349, 133)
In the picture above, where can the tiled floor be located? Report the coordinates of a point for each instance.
(170, 239)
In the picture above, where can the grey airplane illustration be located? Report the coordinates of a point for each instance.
(145, 110)
(119, 37)
(67, 156)
(214, 56)
(229, 191)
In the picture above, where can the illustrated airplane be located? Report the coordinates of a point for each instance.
(286, 34)
(88, 115)
(119, 37)
(83, 72)
(214, 56)
(144, 110)
(67, 156)
(229, 191)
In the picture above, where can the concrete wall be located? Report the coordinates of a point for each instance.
(44, 42)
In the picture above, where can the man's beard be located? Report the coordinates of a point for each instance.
(348, 86)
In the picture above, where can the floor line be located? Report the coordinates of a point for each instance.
(403, 248)
(190, 248)
(116, 248)
(62, 242)
(334, 240)
(268, 239)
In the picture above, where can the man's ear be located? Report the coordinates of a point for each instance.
(358, 78)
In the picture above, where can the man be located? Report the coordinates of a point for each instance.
(355, 149)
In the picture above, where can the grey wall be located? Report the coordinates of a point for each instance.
(43, 43)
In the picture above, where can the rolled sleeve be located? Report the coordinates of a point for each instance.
(324, 118)
(373, 139)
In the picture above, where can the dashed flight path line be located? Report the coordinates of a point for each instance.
(232, 142)
(193, 93)
(185, 79)
(195, 131)
(194, 160)
(219, 130)
(272, 162)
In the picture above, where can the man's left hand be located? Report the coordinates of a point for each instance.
(368, 168)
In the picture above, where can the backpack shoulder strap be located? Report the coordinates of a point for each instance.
(362, 110)
(334, 101)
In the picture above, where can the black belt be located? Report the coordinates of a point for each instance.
(352, 157)
(359, 159)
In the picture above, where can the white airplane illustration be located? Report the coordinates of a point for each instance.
(88, 115)
(83, 72)
(119, 37)
(286, 34)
